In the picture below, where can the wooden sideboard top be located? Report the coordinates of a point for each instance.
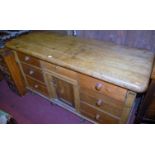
(126, 67)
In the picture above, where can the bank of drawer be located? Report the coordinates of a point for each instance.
(33, 72)
(60, 70)
(102, 87)
(97, 115)
(37, 86)
(102, 102)
(29, 59)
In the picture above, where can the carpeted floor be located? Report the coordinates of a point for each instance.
(33, 109)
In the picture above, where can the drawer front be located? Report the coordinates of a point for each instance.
(102, 102)
(60, 70)
(33, 72)
(37, 86)
(102, 87)
(96, 115)
(29, 59)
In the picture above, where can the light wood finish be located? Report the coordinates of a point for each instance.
(60, 70)
(33, 72)
(98, 79)
(37, 86)
(96, 115)
(28, 59)
(102, 102)
(126, 67)
(12, 73)
(66, 82)
(102, 87)
(64, 91)
(129, 103)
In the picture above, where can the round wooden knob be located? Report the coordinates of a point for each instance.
(98, 86)
(27, 58)
(97, 116)
(36, 86)
(31, 72)
(99, 102)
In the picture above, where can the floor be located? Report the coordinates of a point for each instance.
(33, 109)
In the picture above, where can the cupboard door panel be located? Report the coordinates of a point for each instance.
(64, 91)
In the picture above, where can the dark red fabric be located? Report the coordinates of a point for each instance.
(33, 109)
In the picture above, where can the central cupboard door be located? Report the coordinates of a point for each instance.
(64, 91)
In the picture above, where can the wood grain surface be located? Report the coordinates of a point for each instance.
(126, 67)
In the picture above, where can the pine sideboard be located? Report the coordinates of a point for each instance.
(96, 80)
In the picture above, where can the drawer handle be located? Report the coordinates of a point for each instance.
(27, 58)
(31, 72)
(97, 117)
(98, 86)
(36, 86)
(56, 67)
(99, 102)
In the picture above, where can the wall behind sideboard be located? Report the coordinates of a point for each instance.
(143, 39)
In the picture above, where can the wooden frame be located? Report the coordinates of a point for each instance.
(48, 78)
(14, 71)
(127, 110)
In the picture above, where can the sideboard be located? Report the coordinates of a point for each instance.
(96, 80)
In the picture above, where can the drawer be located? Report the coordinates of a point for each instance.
(33, 72)
(97, 115)
(60, 70)
(37, 86)
(29, 59)
(102, 87)
(102, 102)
